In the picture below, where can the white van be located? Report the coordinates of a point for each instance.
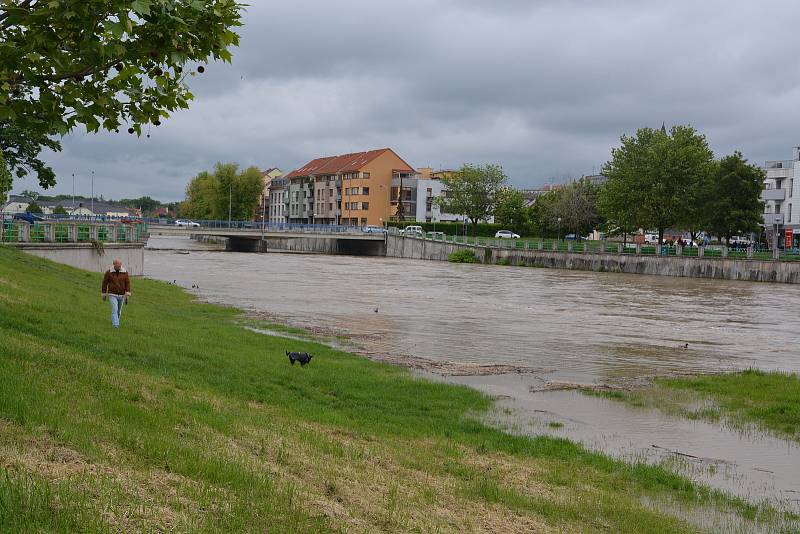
(413, 231)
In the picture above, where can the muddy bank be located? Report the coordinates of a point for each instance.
(355, 345)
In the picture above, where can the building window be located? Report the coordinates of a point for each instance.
(365, 175)
(365, 206)
(791, 186)
(365, 190)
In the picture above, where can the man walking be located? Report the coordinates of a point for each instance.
(117, 288)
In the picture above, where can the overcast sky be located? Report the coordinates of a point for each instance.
(543, 87)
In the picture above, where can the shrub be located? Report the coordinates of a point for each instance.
(503, 261)
(462, 256)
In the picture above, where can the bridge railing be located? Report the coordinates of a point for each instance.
(70, 231)
(267, 226)
(753, 252)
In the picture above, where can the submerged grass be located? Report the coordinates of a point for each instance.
(770, 401)
(184, 420)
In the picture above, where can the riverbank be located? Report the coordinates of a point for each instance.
(184, 420)
(747, 400)
(717, 268)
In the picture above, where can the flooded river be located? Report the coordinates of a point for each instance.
(556, 326)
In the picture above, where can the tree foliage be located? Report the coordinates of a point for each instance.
(735, 205)
(59, 210)
(21, 150)
(33, 207)
(473, 191)
(100, 64)
(211, 195)
(511, 210)
(652, 176)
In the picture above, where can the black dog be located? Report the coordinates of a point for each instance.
(302, 357)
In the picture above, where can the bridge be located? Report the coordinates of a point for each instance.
(305, 238)
(86, 244)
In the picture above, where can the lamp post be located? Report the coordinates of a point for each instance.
(230, 201)
(73, 194)
(92, 201)
(559, 228)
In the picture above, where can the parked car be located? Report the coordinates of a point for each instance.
(506, 234)
(413, 231)
(30, 218)
(374, 229)
(187, 224)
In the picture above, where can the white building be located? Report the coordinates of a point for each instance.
(420, 192)
(278, 200)
(780, 195)
(16, 204)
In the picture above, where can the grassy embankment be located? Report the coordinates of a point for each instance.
(184, 420)
(767, 401)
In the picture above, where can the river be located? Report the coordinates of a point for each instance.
(552, 327)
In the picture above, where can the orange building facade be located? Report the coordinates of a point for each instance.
(352, 189)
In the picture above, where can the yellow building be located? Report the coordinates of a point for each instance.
(351, 189)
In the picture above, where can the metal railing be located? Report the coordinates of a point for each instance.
(753, 252)
(70, 231)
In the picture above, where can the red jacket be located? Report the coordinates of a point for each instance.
(116, 282)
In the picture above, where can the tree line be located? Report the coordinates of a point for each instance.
(657, 180)
(222, 193)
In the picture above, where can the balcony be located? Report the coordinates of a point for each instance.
(780, 164)
(771, 219)
(773, 194)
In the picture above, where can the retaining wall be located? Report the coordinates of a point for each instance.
(85, 256)
(717, 268)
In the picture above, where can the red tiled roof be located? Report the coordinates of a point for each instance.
(343, 163)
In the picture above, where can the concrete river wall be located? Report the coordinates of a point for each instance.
(86, 256)
(717, 268)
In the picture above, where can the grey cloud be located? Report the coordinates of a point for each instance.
(544, 88)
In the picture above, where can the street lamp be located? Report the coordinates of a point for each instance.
(230, 201)
(559, 228)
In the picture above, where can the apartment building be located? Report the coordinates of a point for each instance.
(420, 191)
(264, 202)
(351, 189)
(780, 195)
(278, 195)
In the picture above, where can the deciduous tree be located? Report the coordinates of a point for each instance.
(652, 174)
(735, 205)
(223, 192)
(511, 210)
(102, 64)
(472, 191)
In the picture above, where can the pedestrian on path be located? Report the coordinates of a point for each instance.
(117, 288)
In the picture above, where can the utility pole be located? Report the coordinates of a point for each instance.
(230, 201)
(92, 208)
(73, 194)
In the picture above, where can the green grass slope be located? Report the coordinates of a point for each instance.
(183, 420)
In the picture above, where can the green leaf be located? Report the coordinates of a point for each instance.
(141, 7)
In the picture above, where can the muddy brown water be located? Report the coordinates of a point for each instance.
(555, 326)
